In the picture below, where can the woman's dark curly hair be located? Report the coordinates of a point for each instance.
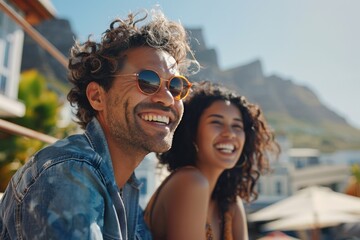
(258, 147)
(92, 61)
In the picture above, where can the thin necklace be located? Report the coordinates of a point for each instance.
(209, 233)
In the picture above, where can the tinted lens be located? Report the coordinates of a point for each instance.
(149, 81)
(178, 87)
(175, 86)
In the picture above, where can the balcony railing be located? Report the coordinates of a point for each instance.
(44, 43)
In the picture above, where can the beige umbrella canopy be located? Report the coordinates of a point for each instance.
(277, 236)
(310, 208)
(306, 221)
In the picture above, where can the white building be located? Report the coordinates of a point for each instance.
(151, 177)
(298, 168)
(295, 169)
(11, 45)
(348, 157)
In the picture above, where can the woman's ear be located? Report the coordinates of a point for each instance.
(95, 95)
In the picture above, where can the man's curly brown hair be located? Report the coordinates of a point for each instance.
(92, 61)
(258, 147)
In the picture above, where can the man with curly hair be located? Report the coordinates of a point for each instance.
(127, 92)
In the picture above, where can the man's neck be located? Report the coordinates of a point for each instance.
(125, 157)
(124, 163)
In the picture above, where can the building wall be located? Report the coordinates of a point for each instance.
(11, 45)
(301, 169)
(348, 157)
(333, 176)
(150, 176)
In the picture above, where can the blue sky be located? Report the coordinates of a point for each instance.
(315, 43)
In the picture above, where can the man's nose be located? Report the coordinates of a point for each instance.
(164, 95)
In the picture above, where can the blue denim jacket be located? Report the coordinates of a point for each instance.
(68, 191)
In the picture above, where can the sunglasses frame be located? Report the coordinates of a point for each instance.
(178, 97)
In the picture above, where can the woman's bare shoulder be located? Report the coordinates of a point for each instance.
(188, 180)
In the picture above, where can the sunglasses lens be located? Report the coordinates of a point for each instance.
(179, 87)
(149, 81)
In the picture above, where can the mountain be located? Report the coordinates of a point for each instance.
(292, 110)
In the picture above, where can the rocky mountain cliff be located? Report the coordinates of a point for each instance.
(292, 110)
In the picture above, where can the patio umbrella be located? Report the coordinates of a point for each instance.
(314, 199)
(310, 208)
(306, 221)
(277, 235)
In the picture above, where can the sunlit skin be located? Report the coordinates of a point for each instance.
(186, 197)
(123, 109)
(220, 139)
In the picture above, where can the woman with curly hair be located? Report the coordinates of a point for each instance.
(219, 149)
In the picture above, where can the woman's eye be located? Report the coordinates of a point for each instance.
(216, 122)
(238, 127)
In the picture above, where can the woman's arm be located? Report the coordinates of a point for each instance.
(239, 223)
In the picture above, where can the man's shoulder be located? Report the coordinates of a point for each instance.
(72, 147)
(67, 151)
(63, 155)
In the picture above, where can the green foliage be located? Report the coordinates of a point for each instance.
(355, 171)
(353, 185)
(42, 105)
(42, 109)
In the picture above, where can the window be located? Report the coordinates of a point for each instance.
(278, 187)
(313, 161)
(4, 53)
(299, 163)
(2, 84)
(259, 187)
(11, 41)
(2, 15)
(7, 53)
(143, 188)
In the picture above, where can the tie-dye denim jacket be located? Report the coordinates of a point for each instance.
(68, 191)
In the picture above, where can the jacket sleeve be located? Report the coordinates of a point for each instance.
(142, 231)
(66, 201)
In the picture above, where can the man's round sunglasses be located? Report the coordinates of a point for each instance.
(149, 83)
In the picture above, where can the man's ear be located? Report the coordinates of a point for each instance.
(95, 95)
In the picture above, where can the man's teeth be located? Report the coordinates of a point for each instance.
(156, 118)
(228, 148)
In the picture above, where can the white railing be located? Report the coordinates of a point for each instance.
(44, 43)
